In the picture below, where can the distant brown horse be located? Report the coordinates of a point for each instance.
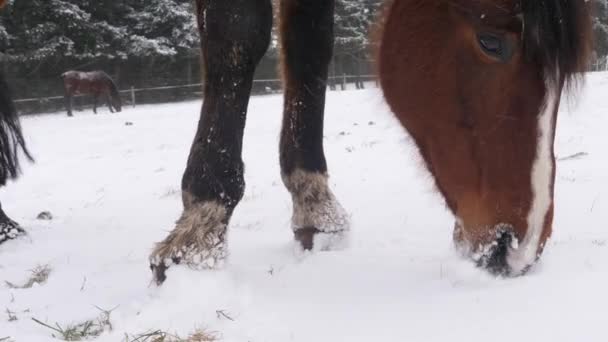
(97, 83)
(477, 84)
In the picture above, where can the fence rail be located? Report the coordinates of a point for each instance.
(172, 93)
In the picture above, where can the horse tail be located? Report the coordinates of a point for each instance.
(11, 138)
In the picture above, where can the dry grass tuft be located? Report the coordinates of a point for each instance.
(39, 275)
(81, 331)
(199, 335)
(12, 316)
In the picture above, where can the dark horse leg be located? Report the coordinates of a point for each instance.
(11, 140)
(95, 98)
(307, 43)
(109, 101)
(68, 102)
(68, 94)
(234, 36)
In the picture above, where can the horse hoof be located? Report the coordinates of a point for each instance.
(159, 269)
(305, 237)
(311, 238)
(198, 241)
(204, 258)
(10, 230)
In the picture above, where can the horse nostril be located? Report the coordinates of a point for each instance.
(495, 260)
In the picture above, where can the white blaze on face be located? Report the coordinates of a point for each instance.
(542, 172)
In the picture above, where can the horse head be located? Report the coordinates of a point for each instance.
(477, 84)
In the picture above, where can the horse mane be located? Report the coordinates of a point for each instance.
(11, 138)
(558, 34)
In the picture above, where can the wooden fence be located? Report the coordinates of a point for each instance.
(174, 93)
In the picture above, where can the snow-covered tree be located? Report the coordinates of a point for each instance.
(353, 19)
(162, 27)
(353, 23)
(600, 28)
(45, 29)
(40, 30)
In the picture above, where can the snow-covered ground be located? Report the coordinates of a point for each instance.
(114, 191)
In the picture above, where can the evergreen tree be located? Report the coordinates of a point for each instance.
(39, 30)
(600, 28)
(162, 27)
(353, 19)
(43, 30)
(353, 24)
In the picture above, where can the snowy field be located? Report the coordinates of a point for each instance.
(114, 190)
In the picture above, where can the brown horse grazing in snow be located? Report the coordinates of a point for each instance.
(477, 84)
(97, 83)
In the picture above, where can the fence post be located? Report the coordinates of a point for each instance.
(133, 96)
(343, 82)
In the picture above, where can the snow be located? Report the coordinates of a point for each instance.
(113, 191)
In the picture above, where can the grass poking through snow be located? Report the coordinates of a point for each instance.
(198, 335)
(81, 331)
(39, 275)
(11, 316)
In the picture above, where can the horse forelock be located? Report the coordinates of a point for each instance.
(557, 35)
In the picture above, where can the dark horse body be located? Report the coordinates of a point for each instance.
(11, 141)
(96, 83)
(471, 81)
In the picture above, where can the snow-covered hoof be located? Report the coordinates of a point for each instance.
(319, 221)
(9, 230)
(310, 238)
(198, 241)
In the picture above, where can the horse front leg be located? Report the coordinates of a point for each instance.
(318, 219)
(68, 103)
(109, 101)
(234, 37)
(95, 98)
(9, 229)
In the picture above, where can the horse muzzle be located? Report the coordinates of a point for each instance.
(500, 255)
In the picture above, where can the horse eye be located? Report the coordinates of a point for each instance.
(495, 46)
